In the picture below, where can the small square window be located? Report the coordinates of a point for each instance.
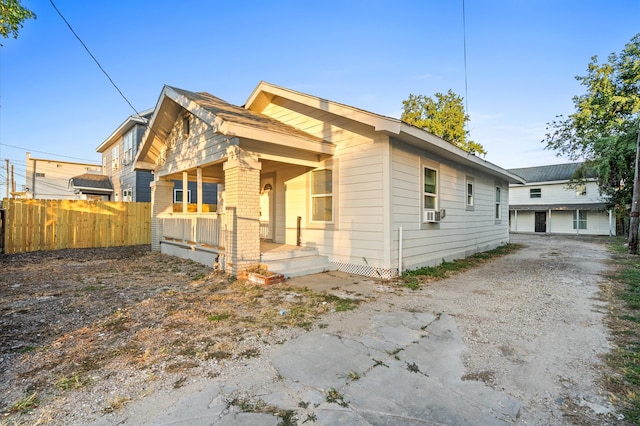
(177, 196)
(535, 193)
(581, 190)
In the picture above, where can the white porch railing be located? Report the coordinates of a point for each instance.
(198, 229)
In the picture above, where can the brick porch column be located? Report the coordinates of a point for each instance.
(161, 202)
(242, 209)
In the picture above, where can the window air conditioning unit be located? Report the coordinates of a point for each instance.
(432, 216)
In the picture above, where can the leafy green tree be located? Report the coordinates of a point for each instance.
(603, 130)
(443, 116)
(12, 15)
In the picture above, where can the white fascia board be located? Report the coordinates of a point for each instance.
(452, 152)
(122, 129)
(377, 121)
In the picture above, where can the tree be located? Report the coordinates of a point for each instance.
(443, 116)
(603, 130)
(12, 15)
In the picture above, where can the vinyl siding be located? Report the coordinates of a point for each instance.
(554, 193)
(561, 222)
(461, 232)
(358, 229)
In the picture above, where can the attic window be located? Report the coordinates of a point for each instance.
(535, 193)
(186, 125)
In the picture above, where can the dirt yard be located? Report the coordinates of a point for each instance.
(82, 328)
(90, 332)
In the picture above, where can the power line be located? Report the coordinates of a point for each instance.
(464, 37)
(94, 58)
(43, 152)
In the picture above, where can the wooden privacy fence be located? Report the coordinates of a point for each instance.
(33, 225)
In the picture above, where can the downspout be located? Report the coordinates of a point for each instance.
(400, 251)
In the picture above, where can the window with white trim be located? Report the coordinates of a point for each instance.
(322, 195)
(178, 194)
(127, 195)
(535, 193)
(579, 220)
(469, 192)
(430, 189)
(127, 155)
(115, 157)
(498, 211)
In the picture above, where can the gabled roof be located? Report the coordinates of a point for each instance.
(91, 183)
(123, 128)
(225, 118)
(265, 92)
(550, 173)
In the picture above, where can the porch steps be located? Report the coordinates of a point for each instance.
(294, 261)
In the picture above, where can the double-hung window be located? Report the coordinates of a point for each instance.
(470, 194)
(322, 195)
(579, 220)
(535, 193)
(430, 187)
(498, 214)
(115, 157)
(128, 148)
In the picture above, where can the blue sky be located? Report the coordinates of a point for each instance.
(522, 59)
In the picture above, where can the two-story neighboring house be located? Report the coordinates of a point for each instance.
(118, 154)
(50, 179)
(547, 203)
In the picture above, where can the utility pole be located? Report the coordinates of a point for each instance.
(7, 163)
(635, 210)
(13, 183)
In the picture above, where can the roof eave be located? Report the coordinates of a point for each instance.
(430, 142)
(123, 128)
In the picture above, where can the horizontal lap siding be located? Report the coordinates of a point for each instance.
(556, 193)
(358, 171)
(202, 147)
(461, 232)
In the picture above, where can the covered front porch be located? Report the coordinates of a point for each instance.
(202, 237)
(196, 137)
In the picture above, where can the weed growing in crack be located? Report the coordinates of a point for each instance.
(394, 353)
(335, 397)
(310, 418)
(377, 363)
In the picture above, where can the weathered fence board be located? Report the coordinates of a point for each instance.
(33, 225)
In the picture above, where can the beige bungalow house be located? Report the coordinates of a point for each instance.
(307, 185)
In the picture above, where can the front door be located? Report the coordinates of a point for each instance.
(541, 222)
(266, 208)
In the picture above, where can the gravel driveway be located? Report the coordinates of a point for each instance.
(531, 329)
(525, 330)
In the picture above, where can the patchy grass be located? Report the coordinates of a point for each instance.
(623, 296)
(412, 279)
(26, 404)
